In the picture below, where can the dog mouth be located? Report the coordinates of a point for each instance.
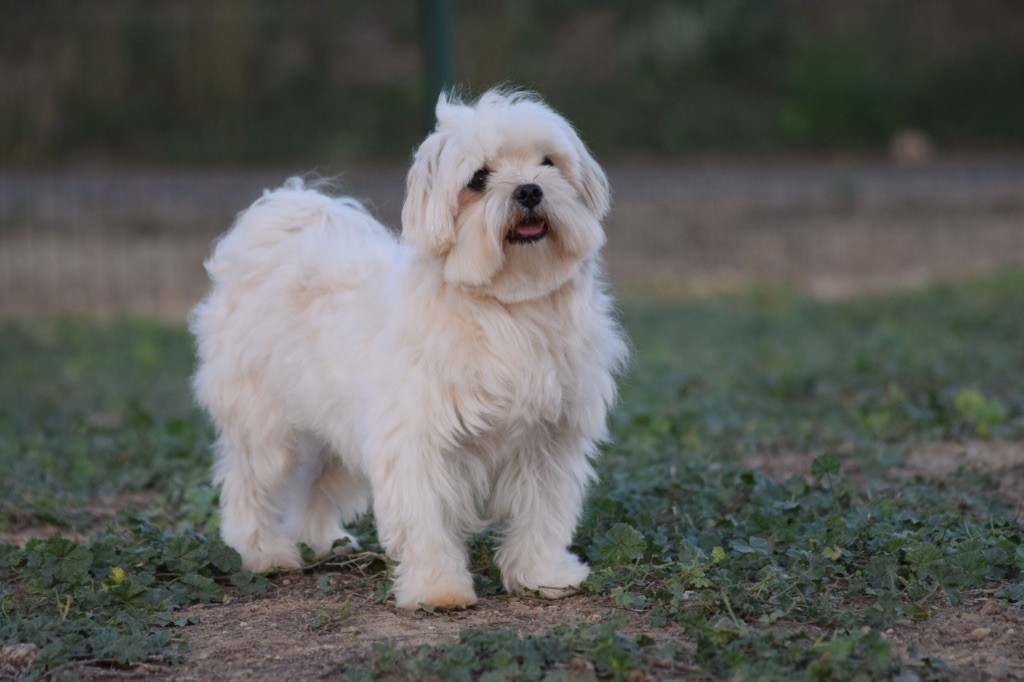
(531, 229)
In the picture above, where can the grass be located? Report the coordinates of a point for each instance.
(765, 577)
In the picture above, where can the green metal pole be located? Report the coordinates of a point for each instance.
(437, 52)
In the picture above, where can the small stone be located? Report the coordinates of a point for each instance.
(19, 655)
(578, 667)
(988, 608)
(980, 633)
(912, 147)
(286, 581)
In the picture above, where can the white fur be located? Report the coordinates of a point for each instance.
(452, 376)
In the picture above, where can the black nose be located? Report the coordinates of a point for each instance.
(528, 195)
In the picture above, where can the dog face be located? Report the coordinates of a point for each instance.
(506, 195)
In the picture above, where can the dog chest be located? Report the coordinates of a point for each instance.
(508, 372)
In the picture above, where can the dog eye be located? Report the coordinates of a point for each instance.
(547, 161)
(479, 181)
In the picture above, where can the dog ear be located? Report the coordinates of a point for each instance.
(451, 113)
(428, 214)
(595, 192)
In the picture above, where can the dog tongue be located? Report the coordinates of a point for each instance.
(530, 229)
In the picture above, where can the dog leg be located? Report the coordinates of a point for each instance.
(423, 516)
(539, 496)
(251, 485)
(323, 494)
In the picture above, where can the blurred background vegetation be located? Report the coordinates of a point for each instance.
(243, 82)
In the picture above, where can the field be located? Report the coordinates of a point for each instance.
(797, 489)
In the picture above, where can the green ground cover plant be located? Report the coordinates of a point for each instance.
(731, 569)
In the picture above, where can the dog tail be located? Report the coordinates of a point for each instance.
(252, 247)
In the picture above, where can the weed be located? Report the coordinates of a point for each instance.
(502, 655)
(329, 619)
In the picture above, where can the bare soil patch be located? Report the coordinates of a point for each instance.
(979, 639)
(1002, 460)
(296, 631)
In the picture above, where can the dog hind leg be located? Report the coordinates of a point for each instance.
(253, 473)
(324, 493)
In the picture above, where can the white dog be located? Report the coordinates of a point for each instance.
(457, 377)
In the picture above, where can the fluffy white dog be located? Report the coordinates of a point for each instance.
(457, 377)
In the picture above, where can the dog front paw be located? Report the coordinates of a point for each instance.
(560, 577)
(452, 594)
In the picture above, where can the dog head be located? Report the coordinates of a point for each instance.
(506, 195)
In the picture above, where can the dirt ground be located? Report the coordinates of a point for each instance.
(298, 631)
(281, 634)
(291, 643)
